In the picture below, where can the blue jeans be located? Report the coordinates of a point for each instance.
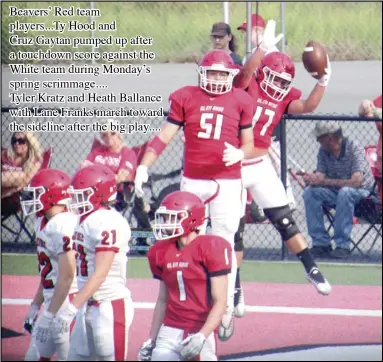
(345, 200)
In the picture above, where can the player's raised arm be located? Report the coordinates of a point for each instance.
(300, 106)
(243, 78)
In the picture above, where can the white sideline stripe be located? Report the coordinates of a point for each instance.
(251, 309)
(332, 264)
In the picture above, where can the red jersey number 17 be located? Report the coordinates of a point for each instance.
(257, 115)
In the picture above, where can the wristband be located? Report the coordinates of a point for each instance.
(156, 145)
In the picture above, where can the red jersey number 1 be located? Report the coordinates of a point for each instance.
(181, 286)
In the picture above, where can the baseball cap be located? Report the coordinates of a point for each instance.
(256, 20)
(221, 29)
(323, 128)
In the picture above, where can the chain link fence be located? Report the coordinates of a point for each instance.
(261, 240)
(180, 31)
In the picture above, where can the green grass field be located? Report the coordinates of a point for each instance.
(180, 31)
(255, 271)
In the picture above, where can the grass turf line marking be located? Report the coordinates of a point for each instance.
(252, 309)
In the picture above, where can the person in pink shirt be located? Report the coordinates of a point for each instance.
(111, 152)
(373, 108)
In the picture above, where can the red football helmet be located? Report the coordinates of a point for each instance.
(217, 60)
(47, 188)
(92, 187)
(180, 213)
(276, 75)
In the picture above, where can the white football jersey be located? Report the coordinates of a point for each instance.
(103, 230)
(54, 237)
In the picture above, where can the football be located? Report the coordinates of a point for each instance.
(314, 59)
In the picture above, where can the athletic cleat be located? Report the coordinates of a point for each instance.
(224, 334)
(321, 284)
(239, 310)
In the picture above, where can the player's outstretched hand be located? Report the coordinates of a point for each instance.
(192, 346)
(141, 177)
(30, 318)
(232, 155)
(327, 74)
(269, 38)
(146, 350)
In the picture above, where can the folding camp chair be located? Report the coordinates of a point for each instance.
(367, 211)
(15, 207)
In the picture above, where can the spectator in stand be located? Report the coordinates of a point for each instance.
(343, 177)
(111, 152)
(223, 39)
(374, 109)
(19, 163)
(258, 25)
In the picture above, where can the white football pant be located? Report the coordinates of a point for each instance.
(168, 346)
(225, 213)
(102, 331)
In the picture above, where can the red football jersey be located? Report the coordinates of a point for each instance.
(268, 112)
(125, 159)
(209, 122)
(186, 274)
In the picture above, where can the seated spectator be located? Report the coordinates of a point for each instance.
(112, 153)
(343, 178)
(19, 163)
(223, 39)
(374, 109)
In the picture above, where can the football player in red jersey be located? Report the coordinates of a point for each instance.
(214, 116)
(193, 272)
(268, 79)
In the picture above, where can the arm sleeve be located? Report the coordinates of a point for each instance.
(128, 160)
(217, 254)
(176, 111)
(247, 113)
(293, 95)
(155, 262)
(91, 156)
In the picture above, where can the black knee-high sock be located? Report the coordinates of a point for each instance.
(307, 259)
(237, 286)
(238, 280)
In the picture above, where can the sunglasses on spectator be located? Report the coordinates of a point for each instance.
(20, 141)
